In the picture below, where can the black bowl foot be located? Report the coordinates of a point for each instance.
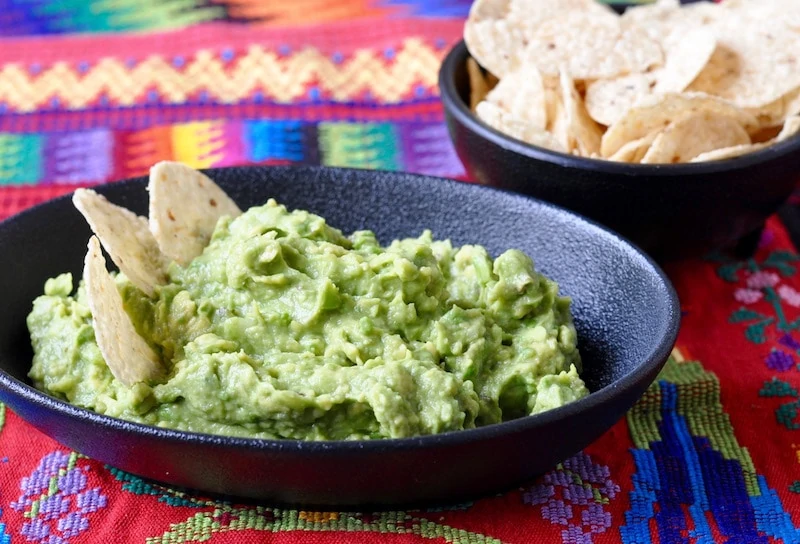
(748, 244)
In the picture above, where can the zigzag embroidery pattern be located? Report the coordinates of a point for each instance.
(279, 78)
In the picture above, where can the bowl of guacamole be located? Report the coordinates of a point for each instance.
(329, 336)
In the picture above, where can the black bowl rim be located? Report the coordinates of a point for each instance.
(457, 108)
(652, 362)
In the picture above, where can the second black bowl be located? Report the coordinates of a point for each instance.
(671, 211)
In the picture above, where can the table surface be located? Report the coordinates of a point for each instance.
(98, 90)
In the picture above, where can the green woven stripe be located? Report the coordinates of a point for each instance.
(359, 145)
(20, 158)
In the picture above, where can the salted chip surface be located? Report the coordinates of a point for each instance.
(582, 128)
(790, 129)
(658, 111)
(130, 359)
(664, 20)
(127, 239)
(694, 134)
(686, 54)
(530, 13)
(634, 152)
(185, 206)
(488, 36)
(503, 35)
(501, 120)
(521, 94)
(755, 62)
(787, 11)
(608, 100)
(589, 47)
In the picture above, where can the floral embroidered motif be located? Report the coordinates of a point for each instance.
(789, 295)
(779, 360)
(574, 495)
(747, 295)
(762, 284)
(55, 500)
(760, 281)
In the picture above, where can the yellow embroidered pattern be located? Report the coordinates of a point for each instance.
(279, 78)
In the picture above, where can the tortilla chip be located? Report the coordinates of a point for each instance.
(664, 18)
(727, 152)
(791, 103)
(608, 100)
(788, 11)
(488, 37)
(755, 62)
(185, 206)
(770, 115)
(552, 97)
(501, 120)
(634, 152)
(590, 47)
(126, 238)
(658, 111)
(790, 128)
(581, 127)
(503, 35)
(477, 84)
(557, 121)
(521, 94)
(686, 53)
(693, 135)
(531, 13)
(130, 359)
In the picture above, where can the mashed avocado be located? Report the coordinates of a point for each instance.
(285, 328)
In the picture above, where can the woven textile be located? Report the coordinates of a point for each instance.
(93, 91)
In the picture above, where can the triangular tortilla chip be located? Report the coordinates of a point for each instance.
(504, 122)
(126, 238)
(582, 128)
(185, 206)
(658, 111)
(693, 135)
(128, 356)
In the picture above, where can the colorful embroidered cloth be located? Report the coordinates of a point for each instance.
(97, 90)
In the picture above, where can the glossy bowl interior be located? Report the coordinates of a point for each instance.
(626, 314)
(671, 211)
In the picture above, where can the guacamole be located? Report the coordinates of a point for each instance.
(285, 328)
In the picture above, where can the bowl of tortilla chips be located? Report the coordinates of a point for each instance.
(674, 125)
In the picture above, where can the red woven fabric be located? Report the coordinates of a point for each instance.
(90, 94)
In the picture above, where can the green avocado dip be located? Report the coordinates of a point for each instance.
(286, 328)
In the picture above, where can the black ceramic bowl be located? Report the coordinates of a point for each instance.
(625, 309)
(671, 211)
